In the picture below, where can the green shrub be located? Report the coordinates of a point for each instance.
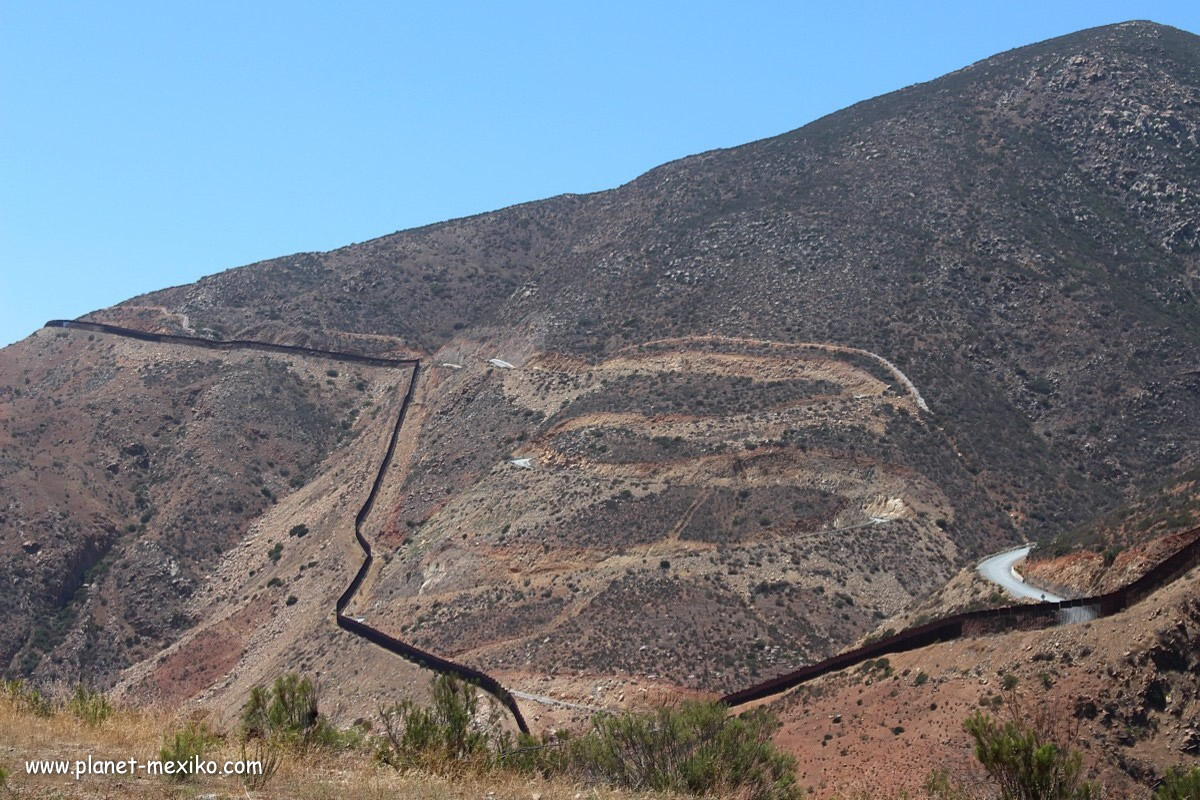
(185, 745)
(446, 736)
(697, 748)
(1179, 784)
(89, 706)
(882, 664)
(1025, 764)
(287, 714)
(27, 699)
(290, 706)
(299, 531)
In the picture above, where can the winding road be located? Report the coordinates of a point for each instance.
(831, 348)
(999, 570)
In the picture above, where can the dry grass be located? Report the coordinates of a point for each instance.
(137, 733)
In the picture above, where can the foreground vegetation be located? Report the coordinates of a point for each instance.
(457, 747)
(318, 772)
(695, 748)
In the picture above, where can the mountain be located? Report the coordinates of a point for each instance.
(770, 396)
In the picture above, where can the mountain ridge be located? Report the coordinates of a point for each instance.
(1013, 236)
(1134, 28)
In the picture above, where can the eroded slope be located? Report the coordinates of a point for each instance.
(694, 513)
(129, 468)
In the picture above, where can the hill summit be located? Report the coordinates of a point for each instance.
(768, 396)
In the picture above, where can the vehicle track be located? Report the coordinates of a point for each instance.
(990, 620)
(999, 570)
(896, 372)
(945, 629)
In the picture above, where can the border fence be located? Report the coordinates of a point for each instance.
(971, 623)
(990, 620)
(377, 637)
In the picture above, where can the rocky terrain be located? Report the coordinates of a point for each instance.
(770, 396)
(1125, 691)
(130, 468)
(1101, 555)
(1019, 237)
(1120, 546)
(718, 483)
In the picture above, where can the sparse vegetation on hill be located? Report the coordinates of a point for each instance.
(1018, 239)
(722, 482)
(136, 470)
(697, 748)
(1123, 544)
(1019, 243)
(1170, 507)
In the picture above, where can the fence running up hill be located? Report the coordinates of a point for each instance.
(374, 635)
(993, 620)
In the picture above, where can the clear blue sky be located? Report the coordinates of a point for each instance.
(143, 145)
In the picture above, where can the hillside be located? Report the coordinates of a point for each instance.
(1018, 236)
(1125, 691)
(771, 395)
(1119, 546)
(130, 468)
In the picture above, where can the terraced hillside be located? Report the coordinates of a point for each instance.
(1019, 237)
(676, 494)
(769, 396)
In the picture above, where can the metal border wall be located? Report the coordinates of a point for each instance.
(377, 637)
(991, 620)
